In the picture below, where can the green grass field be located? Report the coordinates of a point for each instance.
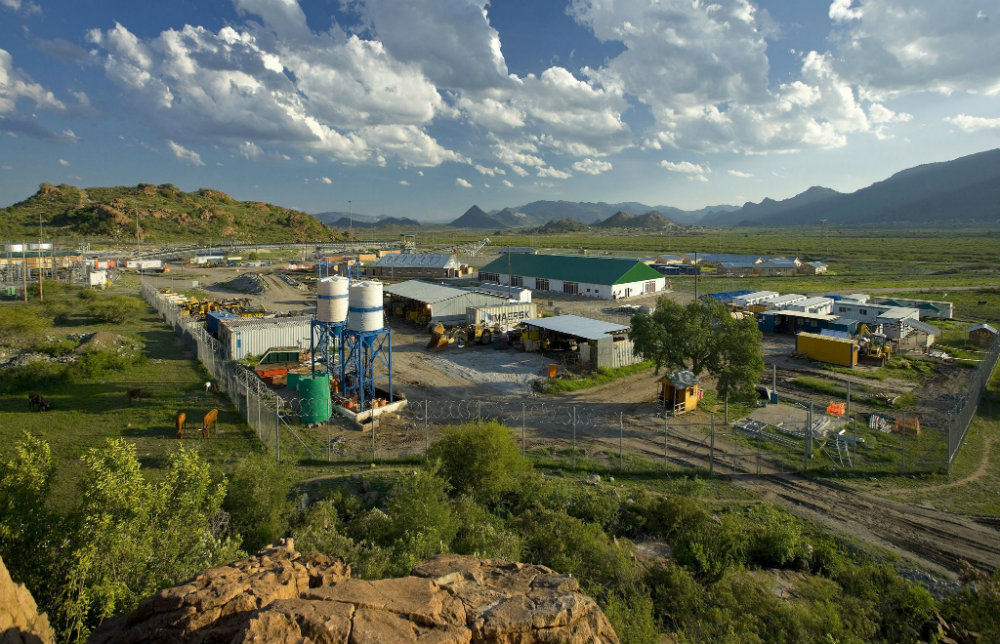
(84, 414)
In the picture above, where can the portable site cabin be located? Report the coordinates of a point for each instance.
(828, 348)
(679, 391)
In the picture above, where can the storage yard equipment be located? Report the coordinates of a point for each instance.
(839, 351)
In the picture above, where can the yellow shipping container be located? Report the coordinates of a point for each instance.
(839, 351)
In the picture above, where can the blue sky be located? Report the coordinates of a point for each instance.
(422, 108)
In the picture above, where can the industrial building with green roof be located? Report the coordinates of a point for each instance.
(600, 277)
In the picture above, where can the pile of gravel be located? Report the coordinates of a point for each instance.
(251, 283)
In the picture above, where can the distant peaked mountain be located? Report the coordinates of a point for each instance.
(329, 218)
(588, 213)
(476, 217)
(751, 212)
(960, 192)
(381, 222)
(510, 218)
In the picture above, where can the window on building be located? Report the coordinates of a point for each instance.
(490, 277)
(516, 280)
(571, 287)
(541, 285)
(650, 287)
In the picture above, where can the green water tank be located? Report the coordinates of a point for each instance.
(314, 398)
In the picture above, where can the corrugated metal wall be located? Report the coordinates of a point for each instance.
(243, 340)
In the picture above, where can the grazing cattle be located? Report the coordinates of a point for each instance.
(181, 417)
(210, 418)
(37, 403)
(133, 394)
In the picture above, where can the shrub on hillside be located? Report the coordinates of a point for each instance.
(479, 459)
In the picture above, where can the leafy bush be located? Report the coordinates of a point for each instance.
(116, 309)
(257, 500)
(479, 459)
(94, 364)
(34, 375)
(483, 534)
(320, 530)
(18, 321)
(133, 537)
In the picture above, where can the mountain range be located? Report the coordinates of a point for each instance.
(960, 192)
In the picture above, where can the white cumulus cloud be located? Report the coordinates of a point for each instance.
(973, 124)
(693, 170)
(184, 154)
(592, 166)
(740, 174)
(326, 180)
(462, 183)
(64, 163)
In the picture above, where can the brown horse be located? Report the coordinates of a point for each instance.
(133, 394)
(210, 418)
(181, 417)
(37, 403)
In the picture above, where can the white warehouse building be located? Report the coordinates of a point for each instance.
(600, 277)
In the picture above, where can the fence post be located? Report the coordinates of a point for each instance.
(427, 429)
(808, 443)
(727, 410)
(522, 432)
(277, 428)
(574, 436)
(711, 451)
(373, 433)
(666, 449)
(621, 434)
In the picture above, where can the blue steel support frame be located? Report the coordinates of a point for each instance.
(365, 351)
(323, 267)
(321, 336)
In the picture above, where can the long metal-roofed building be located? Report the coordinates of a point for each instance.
(601, 277)
(241, 337)
(410, 265)
(422, 302)
(598, 343)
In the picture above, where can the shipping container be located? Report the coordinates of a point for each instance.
(839, 351)
(144, 264)
(241, 337)
(97, 278)
(510, 314)
(212, 320)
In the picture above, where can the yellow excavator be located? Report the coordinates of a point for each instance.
(874, 348)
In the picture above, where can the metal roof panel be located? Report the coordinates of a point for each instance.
(575, 325)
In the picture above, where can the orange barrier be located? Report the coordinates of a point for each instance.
(836, 409)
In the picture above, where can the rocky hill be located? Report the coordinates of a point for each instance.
(652, 220)
(281, 596)
(164, 214)
(562, 226)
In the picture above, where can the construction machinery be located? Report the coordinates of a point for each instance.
(873, 348)
(463, 335)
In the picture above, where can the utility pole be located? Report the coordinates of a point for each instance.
(40, 298)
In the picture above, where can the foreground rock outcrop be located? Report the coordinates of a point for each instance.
(20, 622)
(281, 596)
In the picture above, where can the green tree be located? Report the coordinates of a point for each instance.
(703, 337)
(257, 500)
(25, 522)
(132, 537)
(480, 459)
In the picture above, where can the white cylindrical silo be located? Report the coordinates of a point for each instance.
(365, 307)
(332, 299)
